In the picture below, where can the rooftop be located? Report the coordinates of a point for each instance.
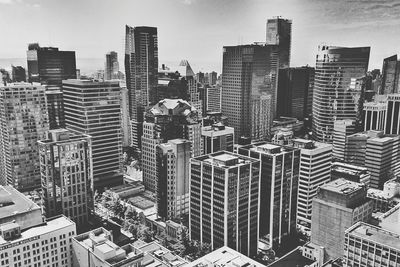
(160, 253)
(12, 202)
(224, 159)
(85, 82)
(342, 186)
(375, 234)
(293, 258)
(225, 257)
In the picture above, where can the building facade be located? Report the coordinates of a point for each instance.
(392, 125)
(279, 33)
(224, 197)
(24, 121)
(390, 75)
(67, 177)
(217, 137)
(332, 99)
(374, 116)
(111, 66)
(94, 108)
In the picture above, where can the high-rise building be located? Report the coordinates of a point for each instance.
(172, 167)
(315, 171)
(213, 76)
(390, 75)
(278, 190)
(217, 137)
(350, 172)
(224, 197)
(24, 121)
(294, 92)
(341, 129)
(167, 120)
(125, 121)
(50, 66)
(248, 73)
(337, 206)
(94, 108)
(112, 66)
(67, 177)
(27, 239)
(213, 99)
(18, 74)
(392, 125)
(332, 99)
(374, 116)
(141, 69)
(279, 32)
(365, 245)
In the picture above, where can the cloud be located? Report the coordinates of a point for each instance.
(185, 2)
(6, 2)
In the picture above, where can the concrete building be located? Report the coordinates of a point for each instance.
(332, 98)
(315, 171)
(94, 108)
(392, 125)
(24, 121)
(111, 68)
(213, 99)
(125, 120)
(224, 256)
(217, 137)
(96, 248)
(374, 116)
(141, 70)
(67, 175)
(350, 172)
(341, 129)
(386, 199)
(249, 83)
(18, 74)
(167, 120)
(390, 75)
(172, 179)
(278, 190)
(224, 197)
(337, 206)
(367, 245)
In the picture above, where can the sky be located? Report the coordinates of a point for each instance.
(197, 30)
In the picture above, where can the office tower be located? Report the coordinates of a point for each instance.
(337, 206)
(217, 137)
(167, 120)
(351, 172)
(55, 109)
(67, 177)
(356, 145)
(248, 72)
(141, 69)
(315, 171)
(94, 108)
(213, 76)
(96, 248)
(112, 66)
(24, 121)
(185, 70)
(392, 125)
(4, 77)
(390, 75)
(224, 201)
(279, 32)
(200, 77)
(28, 240)
(367, 245)
(261, 117)
(341, 129)
(213, 99)
(335, 68)
(18, 74)
(278, 190)
(294, 86)
(374, 115)
(172, 167)
(125, 121)
(172, 88)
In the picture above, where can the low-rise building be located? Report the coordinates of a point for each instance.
(350, 172)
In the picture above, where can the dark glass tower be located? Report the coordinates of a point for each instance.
(390, 75)
(111, 66)
(279, 32)
(336, 72)
(141, 69)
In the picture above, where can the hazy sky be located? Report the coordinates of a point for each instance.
(197, 30)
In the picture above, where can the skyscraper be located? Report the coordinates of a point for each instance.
(279, 32)
(66, 174)
(392, 125)
(224, 197)
(374, 115)
(294, 92)
(337, 206)
(141, 69)
(24, 121)
(217, 137)
(342, 129)
(94, 108)
(390, 75)
(315, 171)
(332, 99)
(18, 74)
(172, 167)
(167, 120)
(278, 190)
(248, 77)
(112, 66)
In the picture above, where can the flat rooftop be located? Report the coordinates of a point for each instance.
(13, 202)
(375, 234)
(51, 225)
(225, 159)
(293, 258)
(227, 257)
(87, 82)
(342, 186)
